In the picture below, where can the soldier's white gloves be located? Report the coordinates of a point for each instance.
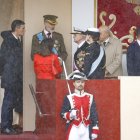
(73, 114)
(94, 136)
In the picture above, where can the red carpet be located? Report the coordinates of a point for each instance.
(28, 136)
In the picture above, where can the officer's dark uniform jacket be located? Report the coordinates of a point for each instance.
(133, 59)
(85, 105)
(79, 56)
(58, 44)
(92, 52)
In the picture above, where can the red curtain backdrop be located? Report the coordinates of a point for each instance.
(125, 16)
(107, 97)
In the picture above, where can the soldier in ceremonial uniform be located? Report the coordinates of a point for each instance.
(80, 40)
(79, 111)
(48, 32)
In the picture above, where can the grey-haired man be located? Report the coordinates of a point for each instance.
(50, 22)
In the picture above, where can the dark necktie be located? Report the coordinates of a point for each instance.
(19, 42)
(48, 35)
(104, 44)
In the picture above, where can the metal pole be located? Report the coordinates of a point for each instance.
(36, 103)
(65, 71)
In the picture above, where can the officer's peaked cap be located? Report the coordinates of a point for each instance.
(77, 31)
(92, 31)
(50, 18)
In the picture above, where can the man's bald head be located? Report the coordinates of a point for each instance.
(104, 33)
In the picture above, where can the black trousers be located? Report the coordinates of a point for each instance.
(7, 108)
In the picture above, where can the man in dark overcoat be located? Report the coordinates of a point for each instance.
(11, 58)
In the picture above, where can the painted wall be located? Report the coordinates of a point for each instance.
(10, 10)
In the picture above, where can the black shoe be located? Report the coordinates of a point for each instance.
(9, 131)
(17, 128)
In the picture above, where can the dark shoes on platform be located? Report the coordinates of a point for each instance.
(9, 131)
(18, 128)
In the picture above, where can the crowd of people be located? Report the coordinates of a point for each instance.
(98, 56)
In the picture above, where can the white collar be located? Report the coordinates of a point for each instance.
(15, 36)
(79, 45)
(138, 41)
(107, 40)
(46, 32)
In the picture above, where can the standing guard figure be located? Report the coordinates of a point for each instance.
(79, 111)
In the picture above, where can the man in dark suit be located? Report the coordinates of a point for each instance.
(48, 32)
(79, 39)
(133, 56)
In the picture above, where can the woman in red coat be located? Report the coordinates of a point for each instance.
(45, 60)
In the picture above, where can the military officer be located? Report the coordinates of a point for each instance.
(94, 60)
(48, 32)
(80, 39)
(79, 111)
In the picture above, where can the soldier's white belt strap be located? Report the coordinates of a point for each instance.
(96, 62)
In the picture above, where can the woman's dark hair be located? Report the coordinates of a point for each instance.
(16, 23)
(95, 37)
(49, 43)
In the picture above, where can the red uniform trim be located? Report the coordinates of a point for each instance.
(68, 116)
(95, 131)
(77, 122)
(68, 132)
